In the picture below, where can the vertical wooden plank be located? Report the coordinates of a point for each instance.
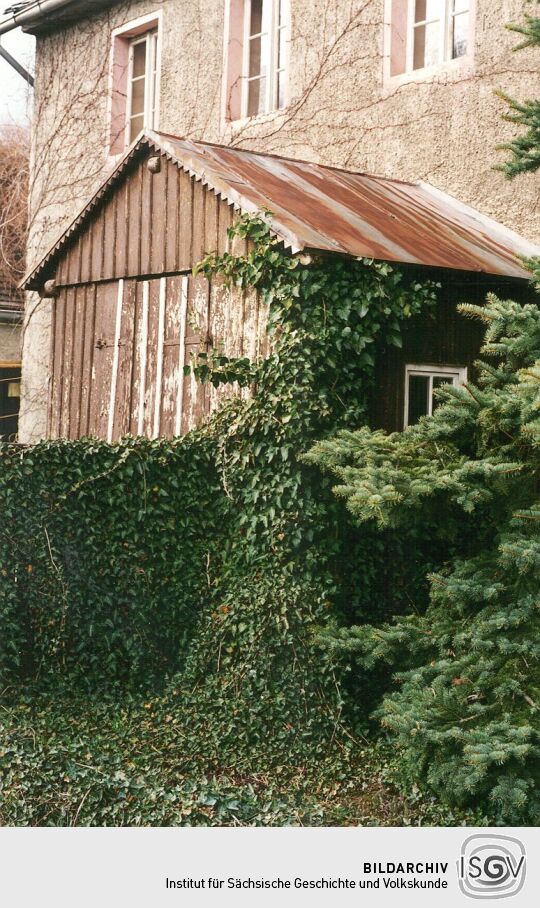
(250, 328)
(136, 400)
(134, 222)
(173, 354)
(146, 219)
(86, 255)
(142, 356)
(77, 361)
(58, 364)
(151, 357)
(97, 247)
(171, 217)
(108, 213)
(218, 300)
(158, 396)
(211, 222)
(233, 303)
(68, 364)
(74, 261)
(195, 395)
(179, 411)
(217, 318)
(62, 270)
(198, 223)
(186, 185)
(115, 357)
(106, 297)
(126, 356)
(171, 336)
(224, 223)
(120, 264)
(87, 367)
(158, 219)
(50, 380)
(263, 340)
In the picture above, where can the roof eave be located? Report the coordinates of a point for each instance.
(511, 244)
(44, 16)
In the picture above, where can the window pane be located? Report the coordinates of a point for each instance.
(256, 97)
(460, 35)
(137, 97)
(139, 59)
(428, 9)
(418, 398)
(255, 57)
(261, 12)
(438, 382)
(256, 17)
(280, 90)
(281, 48)
(135, 126)
(281, 13)
(461, 6)
(258, 56)
(426, 45)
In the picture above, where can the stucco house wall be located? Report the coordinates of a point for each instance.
(443, 128)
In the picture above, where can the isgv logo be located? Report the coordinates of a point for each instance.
(491, 866)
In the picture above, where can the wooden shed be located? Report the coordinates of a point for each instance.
(127, 312)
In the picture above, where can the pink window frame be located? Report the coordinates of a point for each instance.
(235, 62)
(397, 37)
(118, 76)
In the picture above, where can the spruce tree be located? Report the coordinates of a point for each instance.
(466, 708)
(466, 712)
(525, 149)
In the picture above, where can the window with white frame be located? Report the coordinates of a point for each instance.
(427, 33)
(256, 58)
(421, 382)
(264, 63)
(134, 80)
(142, 82)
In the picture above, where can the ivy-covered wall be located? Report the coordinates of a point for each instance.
(188, 578)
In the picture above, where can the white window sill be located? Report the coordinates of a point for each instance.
(259, 120)
(449, 71)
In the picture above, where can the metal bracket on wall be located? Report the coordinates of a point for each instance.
(18, 67)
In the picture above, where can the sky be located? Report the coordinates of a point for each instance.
(15, 94)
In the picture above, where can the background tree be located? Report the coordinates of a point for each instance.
(14, 154)
(525, 149)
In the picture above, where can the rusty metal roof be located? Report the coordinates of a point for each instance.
(324, 208)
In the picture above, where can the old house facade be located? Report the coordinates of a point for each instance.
(402, 88)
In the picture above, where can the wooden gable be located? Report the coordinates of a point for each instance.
(128, 314)
(146, 224)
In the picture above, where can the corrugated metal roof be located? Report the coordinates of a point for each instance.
(324, 208)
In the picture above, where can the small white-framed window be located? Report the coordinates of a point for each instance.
(265, 49)
(142, 80)
(421, 382)
(134, 80)
(425, 34)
